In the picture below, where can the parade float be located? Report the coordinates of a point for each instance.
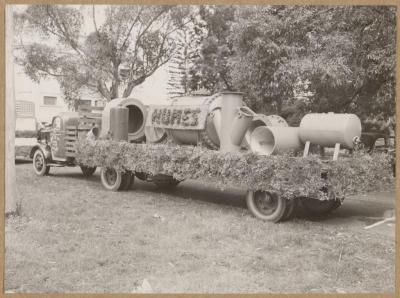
(215, 139)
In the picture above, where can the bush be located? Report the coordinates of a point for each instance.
(288, 175)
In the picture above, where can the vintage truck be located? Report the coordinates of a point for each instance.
(219, 122)
(56, 142)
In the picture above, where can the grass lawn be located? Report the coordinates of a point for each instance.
(74, 236)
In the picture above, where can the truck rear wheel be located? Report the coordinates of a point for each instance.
(165, 181)
(40, 164)
(316, 207)
(88, 171)
(267, 206)
(130, 178)
(113, 180)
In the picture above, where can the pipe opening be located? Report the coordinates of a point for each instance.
(135, 119)
(262, 141)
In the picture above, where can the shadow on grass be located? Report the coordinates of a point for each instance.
(352, 209)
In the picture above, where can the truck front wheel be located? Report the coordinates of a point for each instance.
(266, 206)
(40, 164)
(113, 180)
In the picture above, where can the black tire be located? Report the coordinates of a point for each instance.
(319, 207)
(266, 206)
(141, 175)
(291, 207)
(165, 181)
(40, 164)
(112, 179)
(88, 171)
(129, 179)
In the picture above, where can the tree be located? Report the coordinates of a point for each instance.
(210, 69)
(114, 57)
(180, 65)
(345, 53)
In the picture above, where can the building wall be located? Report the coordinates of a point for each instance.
(27, 90)
(152, 91)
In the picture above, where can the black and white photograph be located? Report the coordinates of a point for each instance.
(200, 149)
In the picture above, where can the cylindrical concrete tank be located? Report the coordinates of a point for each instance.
(274, 140)
(208, 136)
(327, 129)
(220, 110)
(119, 123)
(137, 114)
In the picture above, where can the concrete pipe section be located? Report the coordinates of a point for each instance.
(273, 140)
(137, 114)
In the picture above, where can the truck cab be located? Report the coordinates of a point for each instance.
(56, 143)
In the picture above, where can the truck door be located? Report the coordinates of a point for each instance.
(57, 139)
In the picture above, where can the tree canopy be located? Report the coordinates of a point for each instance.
(118, 54)
(344, 57)
(288, 60)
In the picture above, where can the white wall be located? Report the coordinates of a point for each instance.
(26, 89)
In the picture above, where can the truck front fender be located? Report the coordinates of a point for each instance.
(45, 149)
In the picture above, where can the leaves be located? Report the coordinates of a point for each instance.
(346, 54)
(288, 175)
(120, 52)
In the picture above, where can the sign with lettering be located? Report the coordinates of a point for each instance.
(178, 117)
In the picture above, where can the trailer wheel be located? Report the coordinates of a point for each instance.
(266, 206)
(316, 207)
(88, 171)
(40, 164)
(165, 181)
(112, 179)
(291, 206)
(141, 175)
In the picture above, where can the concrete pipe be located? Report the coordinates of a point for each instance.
(231, 101)
(262, 120)
(154, 135)
(274, 140)
(119, 123)
(241, 124)
(328, 129)
(137, 114)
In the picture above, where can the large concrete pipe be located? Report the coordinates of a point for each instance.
(231, 102)
(240, 125)
(210, 119)
(262, 120)
(207, 134)
(154, 135)
(329, 129)
(137, 114)
(273, 140)
(119, 117)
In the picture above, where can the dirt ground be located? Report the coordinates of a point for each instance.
(74, 236)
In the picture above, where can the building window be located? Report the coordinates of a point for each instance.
(49, 100)
(85, 102)
(24, 109)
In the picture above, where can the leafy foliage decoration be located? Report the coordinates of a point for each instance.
(288, 175)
